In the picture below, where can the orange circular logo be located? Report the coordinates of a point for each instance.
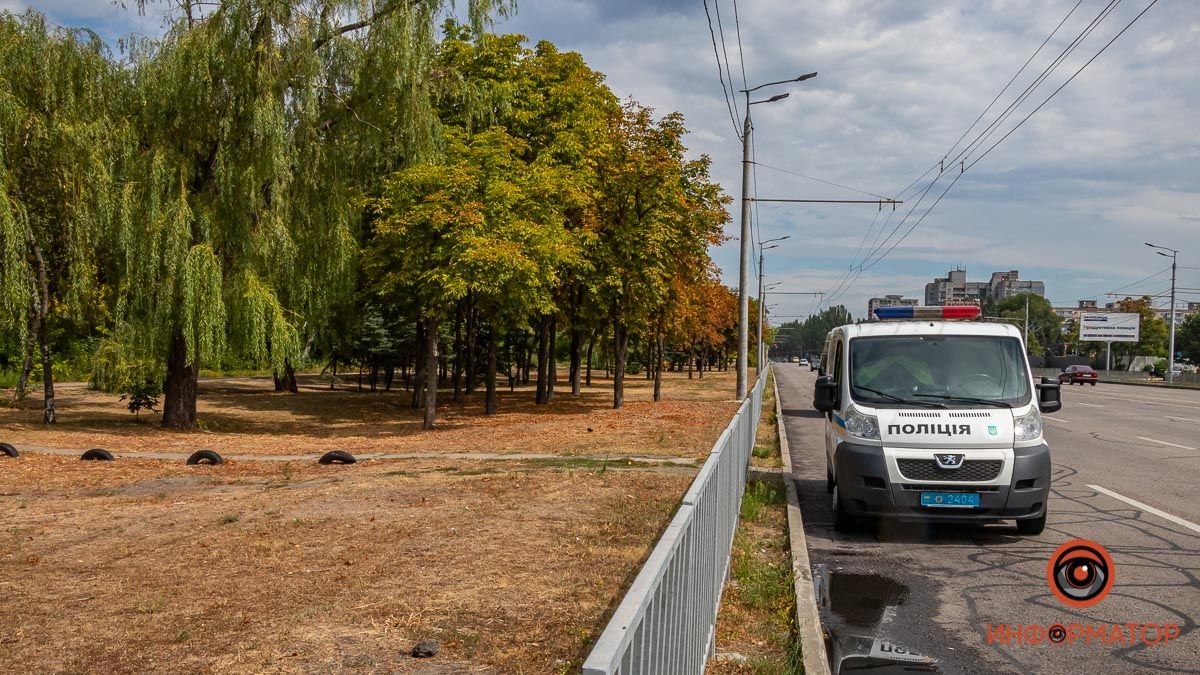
(1080, 573)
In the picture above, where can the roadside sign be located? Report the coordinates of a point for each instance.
(1109, 327)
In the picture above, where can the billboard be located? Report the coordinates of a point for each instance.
(1109, 327)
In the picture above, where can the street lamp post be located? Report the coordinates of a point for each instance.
(761, 298)
(1171, 340)
(744, 259)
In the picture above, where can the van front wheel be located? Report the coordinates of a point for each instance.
(842, 520)
(1033, 526)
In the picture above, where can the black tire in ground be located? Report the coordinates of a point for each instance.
(205, 457)
(337, 457)
(97, 454)
(8, 450)
(1033, 526)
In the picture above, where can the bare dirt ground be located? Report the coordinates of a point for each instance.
(247, 415)
(513, 566)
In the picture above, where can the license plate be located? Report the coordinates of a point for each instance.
(960, 500)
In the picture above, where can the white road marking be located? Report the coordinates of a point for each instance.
(1148, 509)
(1173, 445)
(1055, 419)
(1180, 419)
(1090, 405)
(1152, 400)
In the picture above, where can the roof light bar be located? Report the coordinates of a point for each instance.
(953, 312)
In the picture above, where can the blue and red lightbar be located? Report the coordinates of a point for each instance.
(954, 312)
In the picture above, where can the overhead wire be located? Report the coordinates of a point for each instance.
(987, 132)
(725, 51)
(737, 130)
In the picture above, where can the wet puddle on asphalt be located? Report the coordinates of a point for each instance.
(858, 612)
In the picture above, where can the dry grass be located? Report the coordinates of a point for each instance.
(245, 415)
(151, 566)
(138, 566)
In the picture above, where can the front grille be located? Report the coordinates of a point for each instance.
(972, 470)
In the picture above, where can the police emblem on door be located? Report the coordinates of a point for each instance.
(993, 430)
(948, 461)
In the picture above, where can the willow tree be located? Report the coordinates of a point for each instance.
(57, 141)
(261, 124)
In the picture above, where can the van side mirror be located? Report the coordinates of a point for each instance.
(825, 394)
(821, 371)
(1049, 395)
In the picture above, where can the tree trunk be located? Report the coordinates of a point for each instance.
(551, 359)
(179, 393)
(620, 344)
(419, 367)
(591, 342)
(691, 358)
(43, 311)
(472, 326)
(289, 377)
(658, 359)
(431, 372)
(576, 359)
(389, 375)
(491, 404)
(543, 367)
(27, 352)
(458, 355)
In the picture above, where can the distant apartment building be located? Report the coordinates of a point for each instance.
(1070, 315)
(890, 301)
(954, 289)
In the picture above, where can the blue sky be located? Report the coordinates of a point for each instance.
(1112, 161)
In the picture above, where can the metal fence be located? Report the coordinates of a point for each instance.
(666, 622)
(1181, 379)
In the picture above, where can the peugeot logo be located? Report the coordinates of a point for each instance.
(948, 461)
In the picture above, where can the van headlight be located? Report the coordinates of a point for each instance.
(861, 424)
(1028, 427)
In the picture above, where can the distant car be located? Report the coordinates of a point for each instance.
(815, 364)
(1079, 375)
(804, 362)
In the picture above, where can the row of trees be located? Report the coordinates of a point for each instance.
(328, 179)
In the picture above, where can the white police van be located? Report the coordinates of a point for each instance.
(932, 418)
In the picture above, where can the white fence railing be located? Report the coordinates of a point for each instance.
(666, 622)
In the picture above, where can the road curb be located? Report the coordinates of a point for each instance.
(808, 619)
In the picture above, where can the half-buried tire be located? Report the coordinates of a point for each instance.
(204, 457)
(97, 454)
(337, 457)
(7, 450)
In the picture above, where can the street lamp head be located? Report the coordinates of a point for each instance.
(778, 97)
(806, 76)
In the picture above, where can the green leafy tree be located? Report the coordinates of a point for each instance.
(58, 139)
(1187, 337)
(1045, 325)
(263, 126)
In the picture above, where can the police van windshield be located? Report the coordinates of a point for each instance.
(953, 371)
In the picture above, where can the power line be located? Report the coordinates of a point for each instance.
(724, 50)
(819, 180)
(720, 75)
(741, 54)
(1064, 84)
(987, 132)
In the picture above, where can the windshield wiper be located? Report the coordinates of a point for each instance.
(968, 399)
(898, 399)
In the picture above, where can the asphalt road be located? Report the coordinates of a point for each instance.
(935, 590)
